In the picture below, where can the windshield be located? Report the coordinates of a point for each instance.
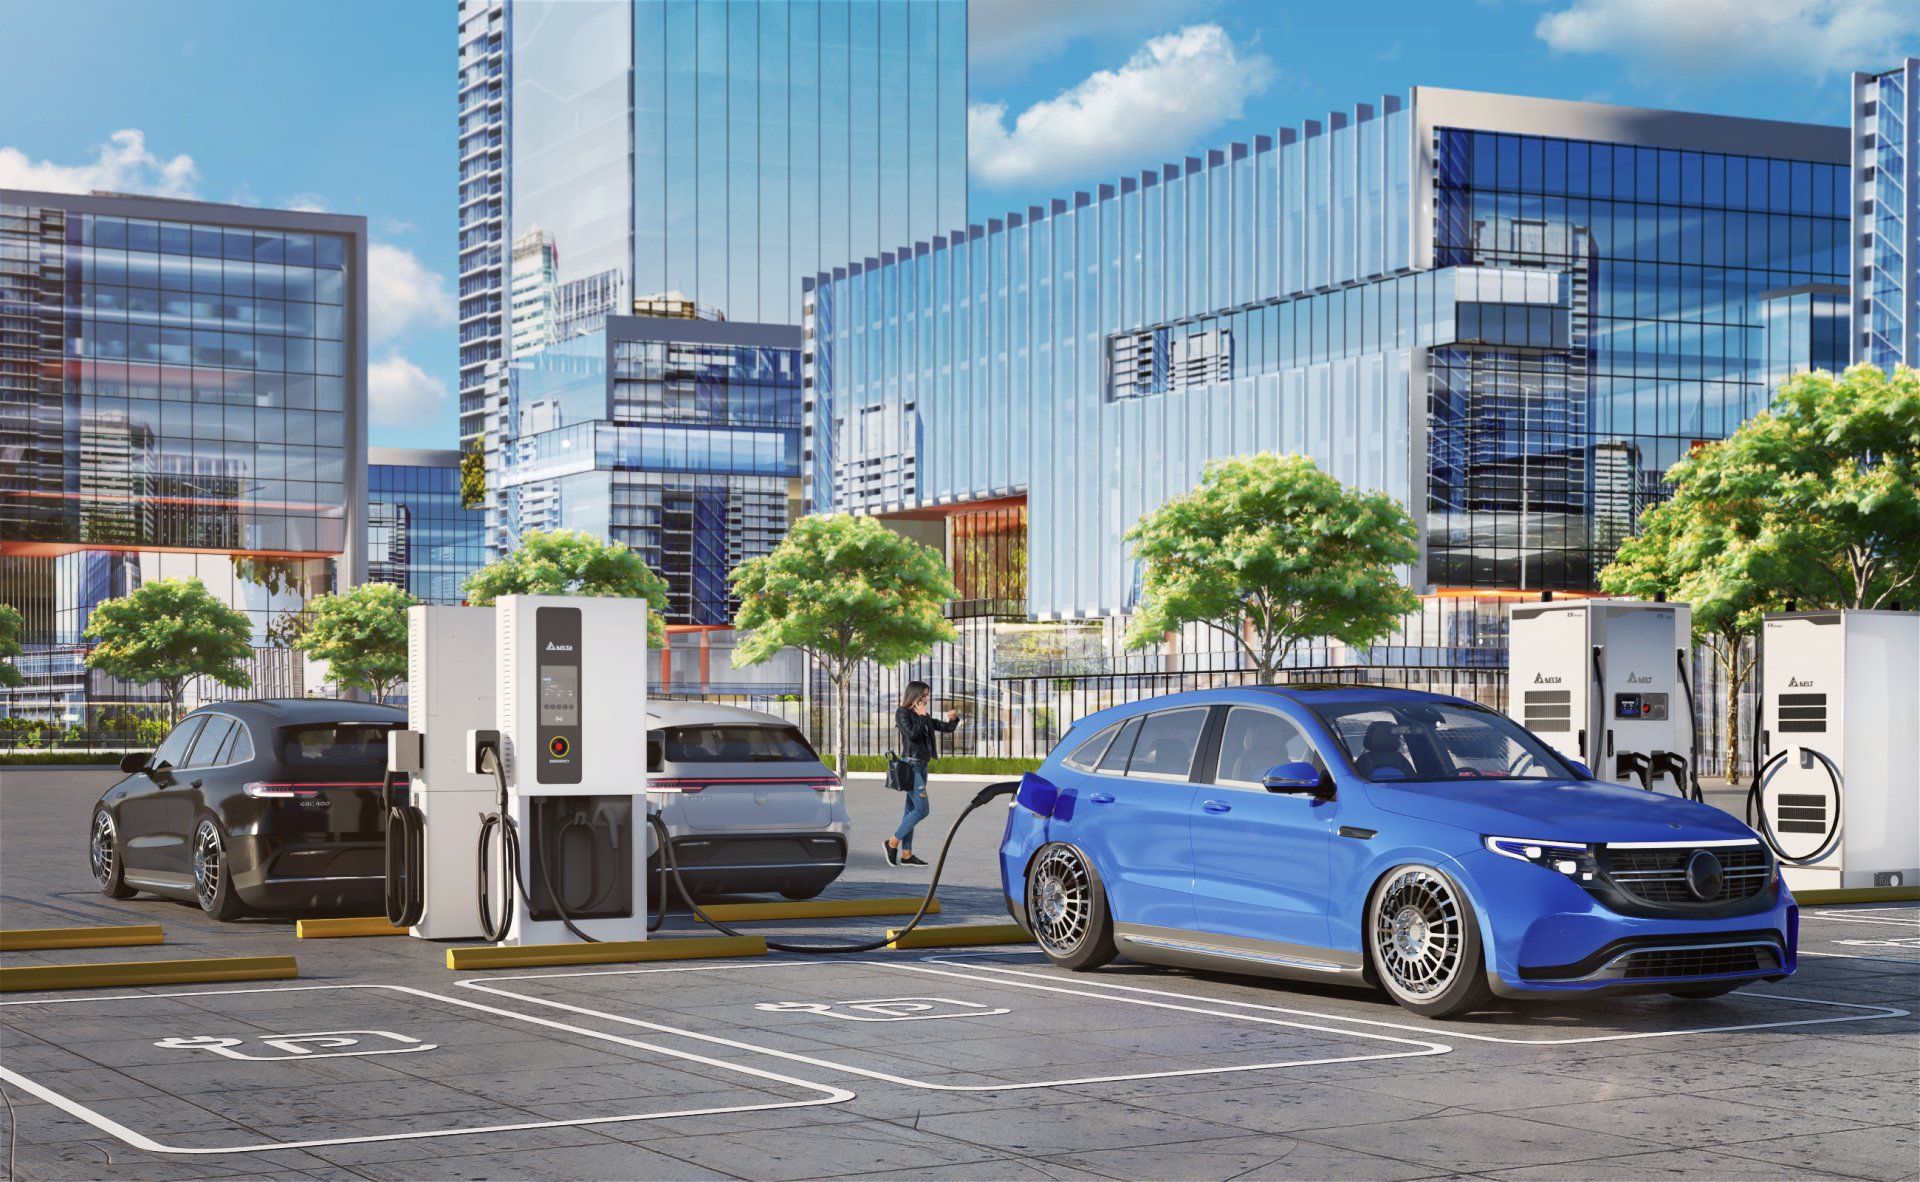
(1386, 742)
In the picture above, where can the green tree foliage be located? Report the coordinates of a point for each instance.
(842, 590)
(1818, 499)
(569, 562)
(168, 632)
(1271, 551)
(361, 635)
(1663, 559)
(473, 478)
(10, 624)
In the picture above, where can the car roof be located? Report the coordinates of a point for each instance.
(1304, 693)
(305, 711)
(673, 712)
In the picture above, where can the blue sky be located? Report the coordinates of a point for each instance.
(348, 105)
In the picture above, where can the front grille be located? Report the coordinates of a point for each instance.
(1659, 876)
(1694, 962)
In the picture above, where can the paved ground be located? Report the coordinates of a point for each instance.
(976, 1064)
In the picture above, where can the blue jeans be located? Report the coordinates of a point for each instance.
(917, 806)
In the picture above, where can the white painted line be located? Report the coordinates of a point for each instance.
(1453, 1032)
(1885, 921)
(1423, 1047)
(1909, 961)
(106, 1124)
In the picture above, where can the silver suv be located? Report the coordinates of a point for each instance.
(748, 803)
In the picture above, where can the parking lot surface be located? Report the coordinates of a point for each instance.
(379, 1062)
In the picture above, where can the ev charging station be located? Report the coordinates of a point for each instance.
(526, 745)
(1604, 681)
(1838, 791)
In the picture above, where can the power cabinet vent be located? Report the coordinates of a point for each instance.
(1547, 710)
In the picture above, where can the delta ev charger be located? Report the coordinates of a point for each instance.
(1838, 794)
(1605, 681)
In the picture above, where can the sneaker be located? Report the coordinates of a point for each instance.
(913, 860)
(893, 853)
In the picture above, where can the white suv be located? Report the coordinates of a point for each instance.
(748, 803)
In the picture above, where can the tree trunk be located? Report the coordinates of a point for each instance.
(174, 687)
(837, 722)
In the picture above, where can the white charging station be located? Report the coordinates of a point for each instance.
(1605, 681)
(570, 694)
(1838, 792)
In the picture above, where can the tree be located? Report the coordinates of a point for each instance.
(361, 635)
(1817, 499)
(1270, 551)
(473, 478)
(842, 590)
(1663, 558)
(10, 623)
(569, 562)
(166, 632)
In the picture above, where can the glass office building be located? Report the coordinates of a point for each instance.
(676, 436)
(1513, 314)
(420, 537)
(1886, 199)
(182, 394)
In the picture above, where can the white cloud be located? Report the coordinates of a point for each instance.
(307, 203)
(121, 165)
(403, 294)
(1006, 36)
(1174, 89)
(1805, 37)
(401, 394)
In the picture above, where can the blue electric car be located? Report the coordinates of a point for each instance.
(1415, 841)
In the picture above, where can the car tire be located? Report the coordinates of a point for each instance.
(1706, 992)
(104, 857)
(1423, 941)
(802, 894)
(212, 874)
(1067, 909)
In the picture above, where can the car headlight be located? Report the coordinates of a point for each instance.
(1574, 861)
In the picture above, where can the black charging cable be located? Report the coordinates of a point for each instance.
(672, 863)
(1757, 808)
(510, 863)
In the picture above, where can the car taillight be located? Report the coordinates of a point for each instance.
(266, 789)
(830, 784)
(674, 784)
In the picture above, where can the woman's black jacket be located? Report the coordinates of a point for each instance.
(917, 732)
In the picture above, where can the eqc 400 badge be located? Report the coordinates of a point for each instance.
(557, 643)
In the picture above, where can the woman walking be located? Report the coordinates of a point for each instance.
(917, 745)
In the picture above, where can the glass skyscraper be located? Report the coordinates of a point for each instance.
(182, 393)
(1886, 198)
(420, 537)
(1513, 314)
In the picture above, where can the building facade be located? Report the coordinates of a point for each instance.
(1511, 314)
(182, 394)
(692, 154)
(420, 536)
(1885, 275)
(678, 437)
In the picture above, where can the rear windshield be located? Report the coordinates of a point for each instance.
(358, 745)
(736, 744)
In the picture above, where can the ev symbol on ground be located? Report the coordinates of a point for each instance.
(885, 1009)
(326, 1044)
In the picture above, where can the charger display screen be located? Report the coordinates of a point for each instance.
(559, 695)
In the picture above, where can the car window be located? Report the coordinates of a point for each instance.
(1114, 761)
(213, 736)
(173, 752)
(240, 747)
(1255, 741)
(1086, 756)
(1393, 741)
(739, 743)
(1167, 742)
(357, 745)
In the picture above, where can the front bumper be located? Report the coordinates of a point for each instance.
(1546, 936)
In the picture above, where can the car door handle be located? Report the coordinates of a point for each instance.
(196, 783)
(1216, 806)
(1100, 798)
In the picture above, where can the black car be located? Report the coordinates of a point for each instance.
(273, 804)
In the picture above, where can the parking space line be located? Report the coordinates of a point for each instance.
(828, 1094)
(1881, 920)
(1421, 1047)
(1879, 1012)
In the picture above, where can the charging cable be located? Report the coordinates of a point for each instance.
(1757, 808)
(672, 863)
(496, 929)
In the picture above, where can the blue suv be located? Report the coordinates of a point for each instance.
(1415, 841)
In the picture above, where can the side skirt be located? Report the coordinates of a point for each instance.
(1236, 954)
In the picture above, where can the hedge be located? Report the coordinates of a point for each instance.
(954, 765)
(53, 758)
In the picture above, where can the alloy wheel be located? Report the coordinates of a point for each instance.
(1061, 904)
(209, 863)
(101, 850)
(1419, 932)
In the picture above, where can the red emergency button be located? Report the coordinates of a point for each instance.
(558, 746)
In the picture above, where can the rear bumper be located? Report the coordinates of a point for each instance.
(751, 863)
(286, 875)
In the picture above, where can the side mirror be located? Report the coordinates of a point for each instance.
(1295, 776)
(1580, 769)
(134, 761)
